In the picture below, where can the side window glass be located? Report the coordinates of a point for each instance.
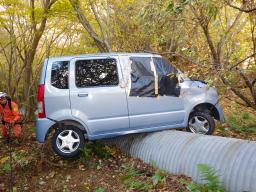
(167, 79)
(96, 72)
(151, 77)
(163, 66)
(142, 77)
(60, 74)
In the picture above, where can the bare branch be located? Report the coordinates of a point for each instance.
(239, 103)
(253, 82)
(242, 9)
(223, 39)
(51, 3)
(100, 25)
(33, 20)
(248, 102)
(248, 83)
(176, 54)
(238, 63)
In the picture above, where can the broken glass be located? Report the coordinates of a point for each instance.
(60, 74)
(96, 72)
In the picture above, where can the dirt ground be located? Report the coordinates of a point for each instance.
(36, 168)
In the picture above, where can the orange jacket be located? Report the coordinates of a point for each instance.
(9, 115)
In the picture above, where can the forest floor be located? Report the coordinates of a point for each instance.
(37, 168)
(240, 122)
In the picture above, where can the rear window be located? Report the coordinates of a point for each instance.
(96, 72)
(60, 74)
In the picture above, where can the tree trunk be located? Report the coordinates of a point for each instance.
(102, 44)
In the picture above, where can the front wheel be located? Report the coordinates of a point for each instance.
(201, 122)
(67, 142)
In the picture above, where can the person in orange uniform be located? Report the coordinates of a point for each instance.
(10, 114)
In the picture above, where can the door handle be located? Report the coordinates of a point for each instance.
(82, 95)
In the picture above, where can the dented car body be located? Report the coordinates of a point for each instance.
(112, 94)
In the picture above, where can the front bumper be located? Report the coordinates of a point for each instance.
(42, 127)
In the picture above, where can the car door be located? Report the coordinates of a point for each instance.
(155, 112)
(96, 96)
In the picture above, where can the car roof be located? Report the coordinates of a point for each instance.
(69, 57)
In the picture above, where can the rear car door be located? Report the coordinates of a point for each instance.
(56, 95)
(96, 97)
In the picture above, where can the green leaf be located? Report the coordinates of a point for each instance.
(193, 187)
(178, 9)
(170, 7)
(7, 167)
(156, 178)
(100, 190)
(185, 1)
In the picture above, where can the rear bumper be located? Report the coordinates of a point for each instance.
(42, 127)
(221, 114)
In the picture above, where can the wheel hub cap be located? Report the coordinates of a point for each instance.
(199, 124)
(68, 141)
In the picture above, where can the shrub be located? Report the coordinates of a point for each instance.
(94, 148)
(208, 175)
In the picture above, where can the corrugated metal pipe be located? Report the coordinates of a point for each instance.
(179, 153)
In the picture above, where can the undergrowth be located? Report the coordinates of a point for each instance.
(242, 122)
(94, 149)
(139, 180)
(211, 182)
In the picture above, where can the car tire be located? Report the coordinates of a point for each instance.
(68, 141)
(201, 122)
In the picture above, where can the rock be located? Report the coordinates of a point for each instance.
(52, 174)
(42, 182)
(68, 178)
(81, 167)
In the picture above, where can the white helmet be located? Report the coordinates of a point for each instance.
(2, 94)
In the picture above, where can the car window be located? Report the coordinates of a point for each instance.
(96, 72)
(153, 76)
(163, 66)
(142, 77)
(59, 75)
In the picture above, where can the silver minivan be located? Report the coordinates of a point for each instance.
(90, 97)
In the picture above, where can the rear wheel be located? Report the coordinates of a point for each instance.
(201, 122)
(67, 142)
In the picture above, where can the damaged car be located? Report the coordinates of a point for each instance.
(90, 97)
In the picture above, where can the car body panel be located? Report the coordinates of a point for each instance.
(104, 109)
(42, 127)
(110, 111)
(151, 112)
(57, 102)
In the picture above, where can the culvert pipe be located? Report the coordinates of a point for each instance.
(179, 153)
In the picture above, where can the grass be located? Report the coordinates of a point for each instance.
(132, 181)
(100, 190)
(242, 122)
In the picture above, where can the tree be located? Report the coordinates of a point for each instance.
(204, 15)
(28, 20)
(100, 41)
